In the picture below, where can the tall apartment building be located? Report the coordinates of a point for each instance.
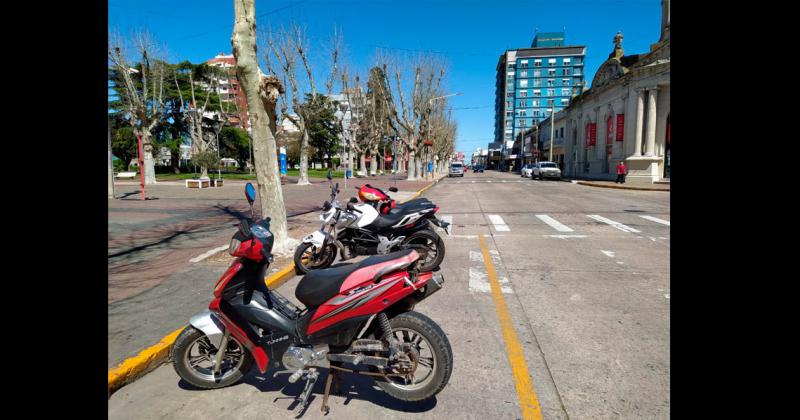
(533, 81)
(229, 91)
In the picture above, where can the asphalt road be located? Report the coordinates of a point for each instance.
(582, 275)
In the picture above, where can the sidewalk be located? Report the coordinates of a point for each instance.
(626, 186)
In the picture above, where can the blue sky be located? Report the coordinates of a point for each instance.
(469, 34)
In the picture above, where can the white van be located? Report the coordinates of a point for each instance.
(456, 169)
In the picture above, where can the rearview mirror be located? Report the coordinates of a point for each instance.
(393, 189)
(353, 200)
(250, 193)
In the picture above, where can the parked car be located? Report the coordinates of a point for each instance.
(456, 169)
(544, 170)
(526, 170)
(477, 168)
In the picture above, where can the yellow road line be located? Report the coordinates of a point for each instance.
(522, 378)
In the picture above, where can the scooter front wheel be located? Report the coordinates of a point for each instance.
(193, 358)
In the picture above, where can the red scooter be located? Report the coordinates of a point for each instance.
(358, 318)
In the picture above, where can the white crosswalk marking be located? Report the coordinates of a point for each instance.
(612, 223)
(656, 219)
(479, 282)
(498, 222)
(555, 224)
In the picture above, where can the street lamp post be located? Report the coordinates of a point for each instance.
(552, 129)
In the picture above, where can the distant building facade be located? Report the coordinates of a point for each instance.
(230, 92)
(530, 83)
(625, 115)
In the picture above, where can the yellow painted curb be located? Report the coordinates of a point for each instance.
(153, 356)
(422, 190)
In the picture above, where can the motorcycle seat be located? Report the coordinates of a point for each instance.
(396, 214)
(318, 286)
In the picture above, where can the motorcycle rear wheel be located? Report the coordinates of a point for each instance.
(235, 364)
(426, 242)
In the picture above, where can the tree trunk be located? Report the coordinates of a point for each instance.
(363, 160)
(265, 160)
(110, 167)
(304, 160)
(203, 172)
(149, 162)
(349, 162)
(412, 166)
(373, 164)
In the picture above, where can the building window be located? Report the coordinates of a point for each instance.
(537, 63)
(551, 62)
(537, 92)
(551, 72)
(510, 73)
(566, 72)
(562, 132)
(521, 104)
(510, 95)
(509, 113)
(535, 103)
(564, 101)
(523, 94)
(508, 123)
(565, 92)
(536, 113)
(551, 82)
(509, 104)
(510, 65)
(550, 102)
(523, 64)
(551, 92)
(565, 82)
(523, 73)
(537, 73)
(536, 82)
(522, 113)
(522, 123)
(567, 61)
(523, 83)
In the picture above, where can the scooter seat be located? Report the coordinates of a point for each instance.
(318, 286)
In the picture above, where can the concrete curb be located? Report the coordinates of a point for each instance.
(619, 187)
(154, 356)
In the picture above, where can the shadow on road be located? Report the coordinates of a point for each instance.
(352, 387)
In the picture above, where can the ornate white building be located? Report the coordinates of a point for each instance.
(623, 116)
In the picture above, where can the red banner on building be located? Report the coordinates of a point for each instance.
(592, 134)
(609, 130)
(620, 126)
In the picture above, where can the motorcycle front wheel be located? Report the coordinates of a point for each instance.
(307, 257)
(193, 359)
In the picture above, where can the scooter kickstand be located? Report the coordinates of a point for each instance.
(311, 379)
(325, 408)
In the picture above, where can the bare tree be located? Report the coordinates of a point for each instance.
(142, 91)
(262, 94)
(286, 47)
(413, 116)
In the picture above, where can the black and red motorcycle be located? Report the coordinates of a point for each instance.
(381, 201)
(358, 318)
